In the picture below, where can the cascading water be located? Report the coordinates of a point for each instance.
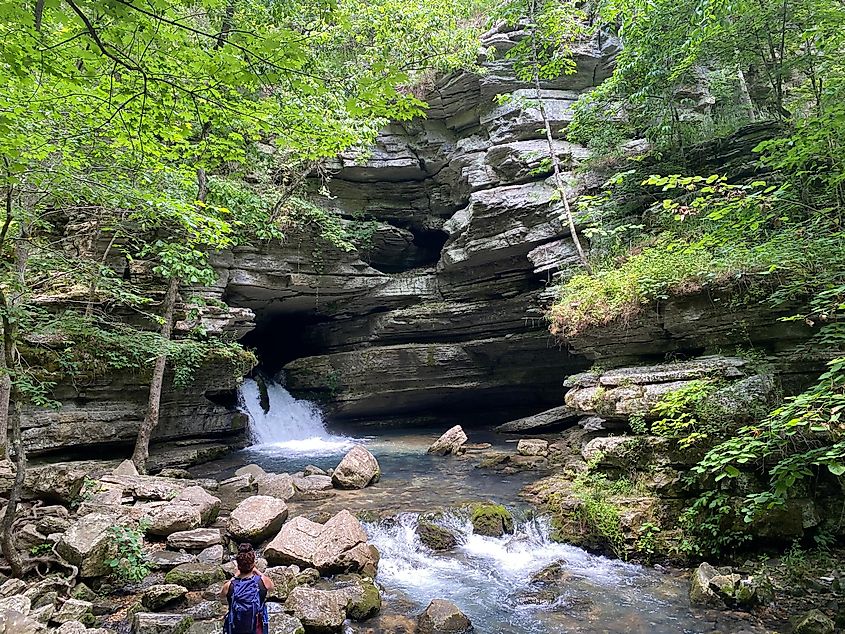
(493, 581)
(289, 425)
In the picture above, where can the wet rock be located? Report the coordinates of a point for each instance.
(319, 611)
(75, 610)
(533, 447)
(256, 518)
(195, 576)
(450, 442)
(358, 469)
(435, 537)
(151, 623)
(363, 599)
(159, 596)
(339, 545)
(550, 420)
(277, 485)
(814, 622)
(491, 520)
(87, 544)
(443, 617)
(197, 539)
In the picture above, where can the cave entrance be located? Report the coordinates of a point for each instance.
(279, 338)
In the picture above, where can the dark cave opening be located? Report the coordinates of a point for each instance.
(279, 338)
(422, 251)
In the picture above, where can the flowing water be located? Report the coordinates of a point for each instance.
(489, 578)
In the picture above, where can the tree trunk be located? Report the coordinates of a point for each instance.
(142, 444)
(561, 188)
(5, 397)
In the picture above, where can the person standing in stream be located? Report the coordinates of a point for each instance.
(246, 594)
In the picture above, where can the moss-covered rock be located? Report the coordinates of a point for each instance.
(491, 520)
(435, 537)
(195, 576)
(814, 622)
(366, 604)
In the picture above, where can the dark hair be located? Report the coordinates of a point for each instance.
(245, 558)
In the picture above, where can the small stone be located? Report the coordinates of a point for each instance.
(443, 617)
(251, 469)
(310, 470)
(277, 485)
(167, 559)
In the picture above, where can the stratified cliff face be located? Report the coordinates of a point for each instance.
(440, 310)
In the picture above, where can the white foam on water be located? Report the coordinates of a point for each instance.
(290, 426)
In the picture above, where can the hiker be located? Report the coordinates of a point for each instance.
(246, 594)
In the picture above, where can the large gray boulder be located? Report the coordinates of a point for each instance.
(207, 504)
(87, 544)
(358, 469)
(450, 442)
(339, 545)
(549, 420)
(313, 487)
(319, 611)
(197, 539)
(256, 518)
(443, 617)
(277, 485)
(163, 519)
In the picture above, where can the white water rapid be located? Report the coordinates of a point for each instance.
(289, 425)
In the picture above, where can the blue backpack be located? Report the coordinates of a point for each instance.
(245, 607)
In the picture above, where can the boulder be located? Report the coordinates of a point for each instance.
(450, 442)
(167, 559)
(533, 447)
(240, 484)
(211, 555)
(197, 539)
(125, 468)
(281, 623)
(195, 576)
(700, 593)
(159, 596)
(11, 587)
(176, 473)
(319, 611)
(435, 537)
(310, 470)
(550, 420)
(315, 487)
(151, 623)
(814, 622)
(339, 545)
(256, 518)
(363, 599)
(251, 469)
(286, 578)
(443, 617)
(87, 544)
(17, 603)
(358, 469)
(277, 485)
(491, 520)
(207, 504)
(72, 627)
(17, 623)
(75, 610)
(142, 487)
(165, 519)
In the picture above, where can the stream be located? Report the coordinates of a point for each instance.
(490, 579)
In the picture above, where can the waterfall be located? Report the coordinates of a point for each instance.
(289, 425)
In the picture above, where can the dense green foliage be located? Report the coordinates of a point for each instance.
(126, 132)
